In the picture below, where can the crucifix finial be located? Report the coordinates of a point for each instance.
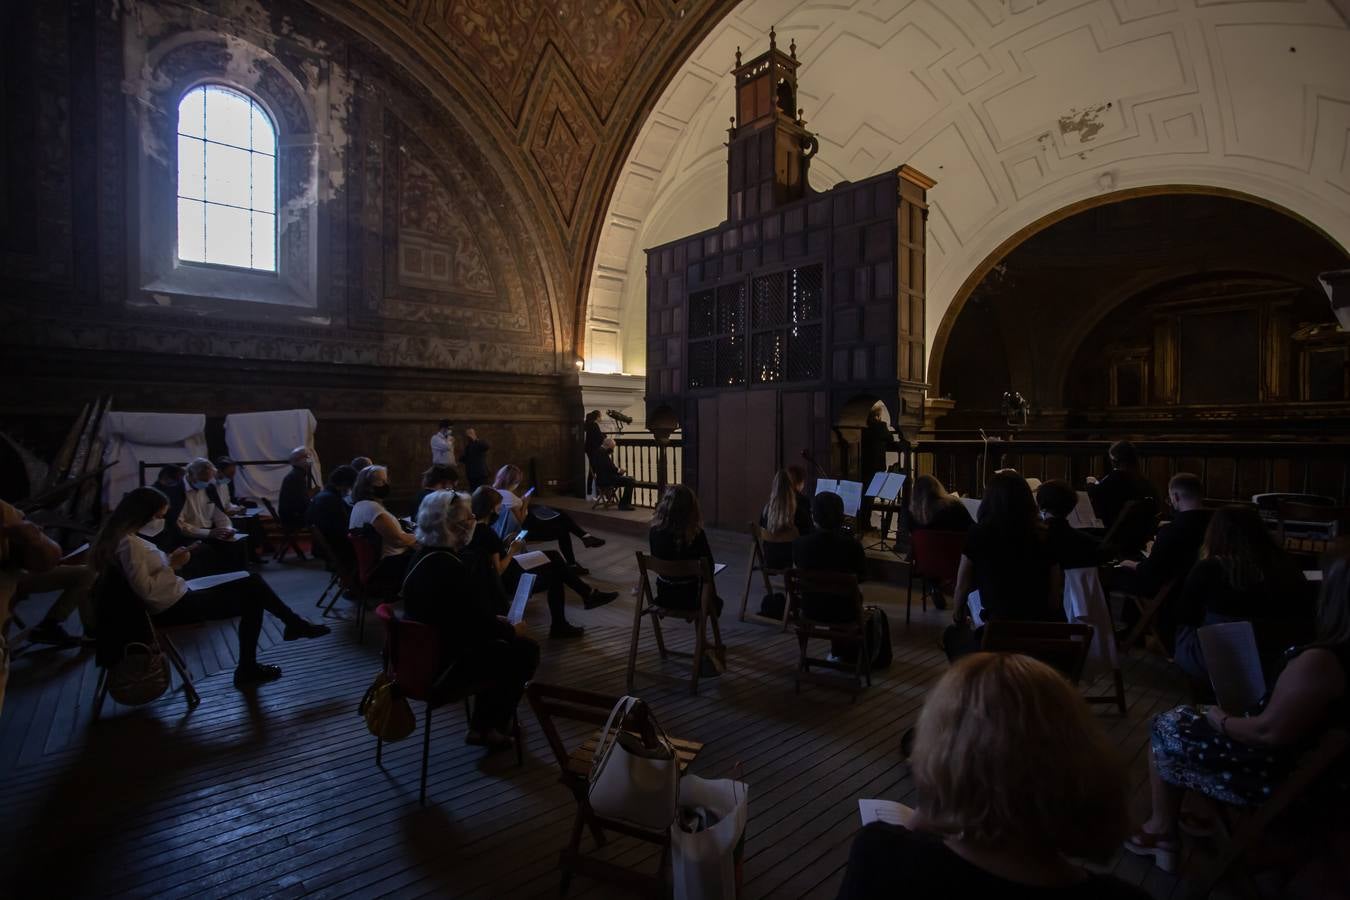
(792, 48)
(773, 38)
(738, 57)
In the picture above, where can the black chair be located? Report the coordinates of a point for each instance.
(122, 620)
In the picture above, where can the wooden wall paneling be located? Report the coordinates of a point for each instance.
(762, 441)
(707, 468)
(730, 479)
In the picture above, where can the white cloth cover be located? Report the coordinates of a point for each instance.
(1085, 601)
(268, 435)
(704, 862)
(131, 438)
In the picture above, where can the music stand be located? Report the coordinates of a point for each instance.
(886, 487)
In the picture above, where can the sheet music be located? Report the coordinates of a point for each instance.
(1034, 484)
(876, 485)
(895, 483)
(972, 506)
(1234, 664)
(524, 588)
(531, 560)
(1083, 515)
(851, 492)
(976, 607)
(1311, 575)
(85, 546)
(885, 811)
(717, 568)
(209, 581)
(827, 484)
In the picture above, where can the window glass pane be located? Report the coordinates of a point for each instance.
(265, 242)
(190, 161)
(227, 175)
(191, 243)
(191, 113)
(227, 235)
(227, 116)
(264, 136)
(264, 182)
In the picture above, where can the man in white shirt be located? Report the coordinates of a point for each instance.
(443, 444)
(201, 519)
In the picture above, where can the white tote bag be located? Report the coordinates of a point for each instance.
(630, 783)
(704, 862)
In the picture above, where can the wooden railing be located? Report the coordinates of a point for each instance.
(640, 457)
(1232, 470)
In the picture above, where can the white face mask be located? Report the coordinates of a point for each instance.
(152, 528)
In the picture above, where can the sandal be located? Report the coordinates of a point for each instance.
(1164, 850)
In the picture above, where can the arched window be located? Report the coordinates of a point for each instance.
(227, 180)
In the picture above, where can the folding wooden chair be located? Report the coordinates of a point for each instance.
(700, 572)
(1247, 829)
(343, 579)
(1085, 602)
(606, 496)
(412, 655)
(122, 620)
(290, 537)
(551, 703)
(842, 587)
(934, 555)
(757, 558)
(1148, 613)
(1060, 645)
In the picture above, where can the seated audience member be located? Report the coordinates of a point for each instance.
(226, 491)
(170, 480)
(994, 820)
(361, 462)
(677, 533)
(931, 507)
(1240, 759)
(1121, 485)
(608, 475)
(445, 590)
(436, 478)
(1174, 553)
(779, 519)
(802, 518)
(543, 524)
(1070, 548)
(829, 549)
(1242, 575)
(369, 515)
(553, 576)
(296, 489)
(169, 476)
(1007, 560)
(222, 494)
(30, 564)
(201, 520)
(151, 576)
(474, 459)
(329, 514)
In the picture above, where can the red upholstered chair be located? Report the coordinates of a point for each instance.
(412, 656)
(935, 555)
(366, 545)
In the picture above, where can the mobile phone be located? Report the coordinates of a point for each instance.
(527, 493)
(521, 535)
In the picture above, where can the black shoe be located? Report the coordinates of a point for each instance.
(708, 669)
(52, 633)
(566, 630)
(304, 629)
(255, 673)
(578, 569)
(907, 744)
(591, 541)
(628, 508)
(599, 598)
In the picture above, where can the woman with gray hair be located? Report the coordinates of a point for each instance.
(444, 588)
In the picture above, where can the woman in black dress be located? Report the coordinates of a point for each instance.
(677, 534)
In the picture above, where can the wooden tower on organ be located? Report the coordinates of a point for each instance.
(775, 332)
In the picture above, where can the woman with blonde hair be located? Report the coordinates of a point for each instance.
(542, 522)
(1014, 776)
(677, 534)
(784, 519)
(931, 506)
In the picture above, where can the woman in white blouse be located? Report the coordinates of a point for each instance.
(368, 512)
(124, 543)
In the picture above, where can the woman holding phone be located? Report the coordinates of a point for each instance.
(543, 523)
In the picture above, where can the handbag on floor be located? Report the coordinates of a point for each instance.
(141, 675)
(634, 781)
(707, 839)
(387, 713)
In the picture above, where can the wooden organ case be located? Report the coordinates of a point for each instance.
(776, 331)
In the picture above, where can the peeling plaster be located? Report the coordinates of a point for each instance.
(1085, 122)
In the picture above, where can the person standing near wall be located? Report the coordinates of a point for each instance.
(443, 444)
(474, 459)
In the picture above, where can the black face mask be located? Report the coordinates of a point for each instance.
(492, 519)
(380, 491)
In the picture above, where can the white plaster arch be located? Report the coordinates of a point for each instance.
(1017, 107)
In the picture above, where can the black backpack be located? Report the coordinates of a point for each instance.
(877, 633)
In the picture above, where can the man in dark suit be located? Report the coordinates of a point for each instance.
(607, 474)
(1175, 551)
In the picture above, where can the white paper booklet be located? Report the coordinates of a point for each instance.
(531, 560)
(210, 581)
(851, 492)
(827, 484)
(524, 588)
(1234, 665)
(885, 811)
(1083, 515)
(717, 568)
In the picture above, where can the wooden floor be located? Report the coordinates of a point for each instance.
(275, 793)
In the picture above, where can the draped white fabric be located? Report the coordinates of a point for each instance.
(1085, 601)
(268, 435)
(131, 438)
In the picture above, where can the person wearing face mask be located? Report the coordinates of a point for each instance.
(199, 519)
(498, 558)
(369, 513)
(329, 512)
(296, 489)
(222, 494)
(443, 444)
(123, 544)
(448, 589)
